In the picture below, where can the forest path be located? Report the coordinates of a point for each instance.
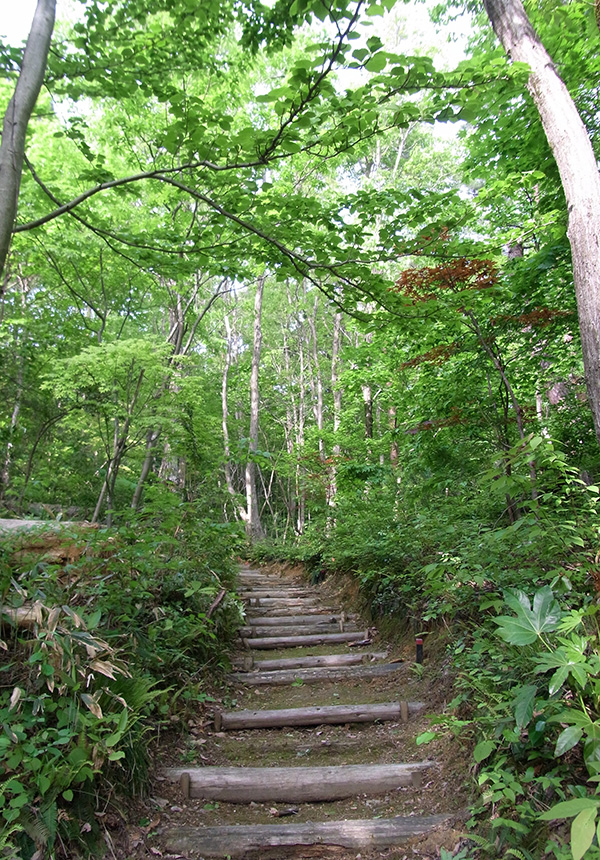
(320, 739)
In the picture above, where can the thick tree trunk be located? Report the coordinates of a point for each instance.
(17, 116)
(578, 170)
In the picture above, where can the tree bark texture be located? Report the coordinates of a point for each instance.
(17, 116)
(572, 149)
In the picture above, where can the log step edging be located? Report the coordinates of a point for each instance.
(316, 716)
(315, 618)
(296, 784)
(254, 632)
(285, 611)
(315, 675)
(249, 663)
(237, 840)
(273, 643)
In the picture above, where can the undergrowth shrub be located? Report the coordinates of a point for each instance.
(93, 655)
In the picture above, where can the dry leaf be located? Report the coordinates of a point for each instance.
(14, 699)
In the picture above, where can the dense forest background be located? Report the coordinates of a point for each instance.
(293, 281)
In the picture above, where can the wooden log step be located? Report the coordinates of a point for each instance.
(298, 630)
(237, 840)
(248, 663)
(323, 618)
(330, 714)
(280, 601)
(296, 784)
(285, 611)
(284, 677)
(295, 593)
(272, 643)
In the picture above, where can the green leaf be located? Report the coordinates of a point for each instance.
(376, 63)
(116, 756)
(583, 829)
(529, 622)
(567, 739)
(426, 737)
(523, 703)
(483, 750)
(567, 808)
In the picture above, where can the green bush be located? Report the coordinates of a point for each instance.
(146, 609)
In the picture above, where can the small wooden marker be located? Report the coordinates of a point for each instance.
(184, 784)
(419, 643)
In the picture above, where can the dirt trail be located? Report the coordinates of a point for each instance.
(371, 822)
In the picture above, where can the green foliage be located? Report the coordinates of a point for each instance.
(114, 638)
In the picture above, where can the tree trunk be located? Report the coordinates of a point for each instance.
(152, 437)
(578, 170)
(20, 338)
(254, 527)
(317, 384)
(119, 446)
(368, 402)
(337, 404)
(17, 116)
(238, 508)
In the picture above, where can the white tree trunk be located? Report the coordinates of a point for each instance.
(578, 170)
(17, 116)
(239, 509)
(254, 527)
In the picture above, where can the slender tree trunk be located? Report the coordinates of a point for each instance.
(253, 524)
(578, 170)
(337, 403)
(368, 404)
(318, 379)
(291, 423)
(20, 337)
(119, 445)
(239, 511)
(152, 437)
(393, 425)
(50, 422)
(17, 116)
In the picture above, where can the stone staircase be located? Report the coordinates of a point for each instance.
(288, 617)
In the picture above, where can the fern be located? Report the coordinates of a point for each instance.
(516, 852)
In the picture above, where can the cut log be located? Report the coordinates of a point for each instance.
(26, 616)
(248, 663)
(280, 594)
(331, 714)
(298, 630)
(237, 840)
(322, 618)
(297, 784)
(284, 611)
(272, 643)
(284, 677)
(280, 601)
